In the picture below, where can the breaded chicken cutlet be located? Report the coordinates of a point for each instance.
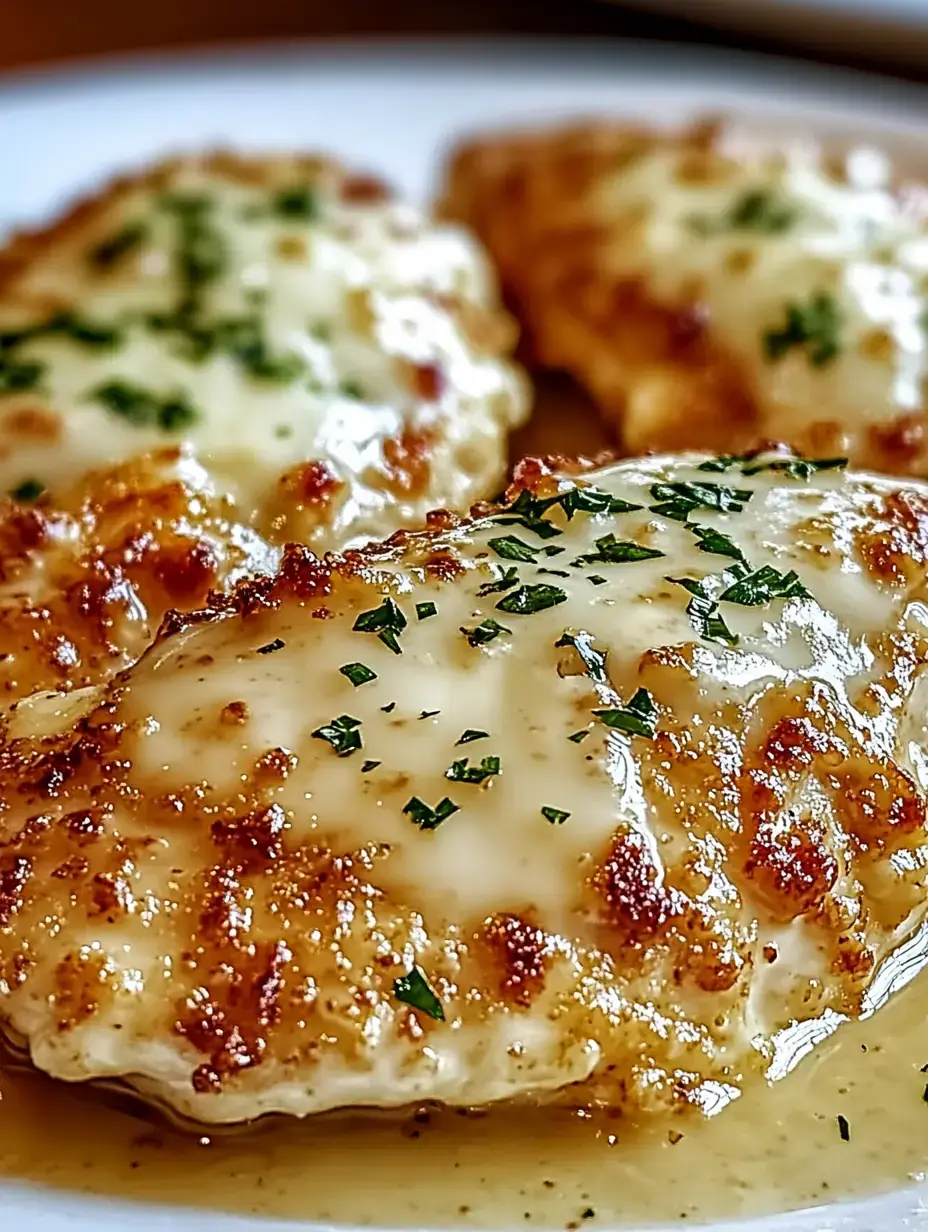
(583, 799)
(710, 292)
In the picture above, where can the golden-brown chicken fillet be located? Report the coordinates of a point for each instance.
(337, 363)
(597, 798)
(709, 292)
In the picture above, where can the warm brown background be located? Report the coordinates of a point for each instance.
(40, 31)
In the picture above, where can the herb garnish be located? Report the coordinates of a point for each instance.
(512, 548)
(388, 708)
(460, 772)
(342, 733)
(298, 202)
(271, 647)
(612, 551)
(367, 766)
(425, 610)
(428, 714)
(119, 245)
(579, 735)
(509, 578)
(532, 598)
(718, 544)
(816, 326)
(472, 734)
(17, 376)
(430, 818)
(201, 252)
(358, 673)
(528, 510)
(386, 621)
(638, 718)
(28, 491)
(351, 388)
(554, 815)
(844, 1128)
(597, 579)
(144, 409)
(678, 500)
(755, 210)
(764, 585)
(485, 632)
(593, 660)
(703, 612)
(794, 467)
(413, 989)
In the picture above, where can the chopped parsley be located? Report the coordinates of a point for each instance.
(342, 733)
(816, 326)
(555, 572)
(430, 818)
(532, 598)
(28, 491)
(485, 632)
(201, 252)
(66, 324)
(472, 734)
(271, 647)
(612, 551)
(704, 614)
(460, 772)
(242, 338)
(528, 510)
(597, 579)
(358, 673)
(428, 714)
(579, 735)
(387, 621)
(367, 766)
(796, 468)
(413, 989)
(425, 610)
(119, 245)
(678, 500)
(638, 718)
(716, 543)
(17, 376)
(555, 815)
(764, 585)
(388, 708)
(508, 579)
(352, 388)
(844, 1128)
(511, 548)
(143, 408)
(299, 202)
(755, 210)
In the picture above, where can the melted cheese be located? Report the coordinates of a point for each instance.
(244, 897)
(367, 340)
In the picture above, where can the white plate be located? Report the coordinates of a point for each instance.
(395, 110)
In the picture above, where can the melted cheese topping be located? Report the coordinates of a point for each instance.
(713, 294)
(331, 357)
(619, 867)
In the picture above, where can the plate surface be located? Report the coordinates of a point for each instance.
(395, 109)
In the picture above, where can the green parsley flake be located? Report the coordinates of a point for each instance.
(358, 673)
(816, 326)
(367, 766)
(485, 632)
(612, 551)
(764, 585)
(17, 376)
(593, 660)
(28, 491)
(272, 647)
(511, 548)
(430, 818)
(638, 718)
(425, 610)
(532, 598)
(597, 579)
(413, 989)
(119, 245)
(299, 202)
(556, 816)
(472, 734)
(756, 210)
(678, 500)
(387, 621)
(144, 409)
(716, 543)
(352, 388)
(342, 733)
(508, 579)
(796, 468)
(703, 612)
(460, 772)
(579, 735)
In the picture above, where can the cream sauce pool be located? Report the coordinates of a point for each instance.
(775, 1148)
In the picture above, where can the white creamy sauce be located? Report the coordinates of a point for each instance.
(757, 238)
(333, 306)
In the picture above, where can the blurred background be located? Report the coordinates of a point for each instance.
(888, 35)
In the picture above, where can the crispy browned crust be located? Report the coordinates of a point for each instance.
(658, 372)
